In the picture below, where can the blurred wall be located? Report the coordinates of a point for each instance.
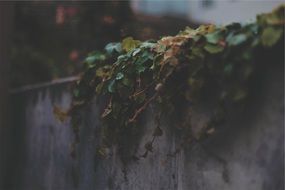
(227, 11)
(247, 154)
(207, 11)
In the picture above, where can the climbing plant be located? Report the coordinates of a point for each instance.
(210, 62)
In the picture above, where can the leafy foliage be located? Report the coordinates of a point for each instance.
(133, 74)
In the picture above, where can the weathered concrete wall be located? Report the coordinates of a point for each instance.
(246, 155)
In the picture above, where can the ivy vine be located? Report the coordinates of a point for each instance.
(214, 61)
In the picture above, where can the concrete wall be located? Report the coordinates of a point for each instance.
(247, 154)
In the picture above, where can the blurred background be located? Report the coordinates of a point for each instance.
(49, 39)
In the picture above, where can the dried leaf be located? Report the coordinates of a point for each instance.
(211, 48)
(59, 114)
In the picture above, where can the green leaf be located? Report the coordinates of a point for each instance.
(94, 57)
(127, 82)
(140, 68)
(196, 53)
(111, 86)
(113, 47)
(76, 92)
(129, 44)
(147, 45)
(270, 36)
(136, 51)
(103, 72)
(119, 76)
(211, 48)
(214, 37)
(143, 58)
(236, 40)
(122, 58)
(90, 59)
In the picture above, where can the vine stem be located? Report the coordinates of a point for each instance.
(141, 109)
(138, 93)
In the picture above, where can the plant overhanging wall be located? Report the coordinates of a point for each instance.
(213, 62)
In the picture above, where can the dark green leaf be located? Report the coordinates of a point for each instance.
(214, 37)
(236, 40)
(76, 92)
(127, 82)
(119, 76)
(111, 86)
(140, 68)
(211, 48)
(97, 56)
(147, 45)
(136, 51)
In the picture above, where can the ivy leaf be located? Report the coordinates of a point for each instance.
(96, 56)
(211, 48)
(143, 58)
(111, 86)
(119, 76)
(136, 51)
(140, 68)
(147, 45)
(270, 36)
(76, 92)
(236, 40)
(122, 58)
(214, 37)
(113, 47)
(102, 72)
(196, 53)
(129, 44)
(127, 82)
